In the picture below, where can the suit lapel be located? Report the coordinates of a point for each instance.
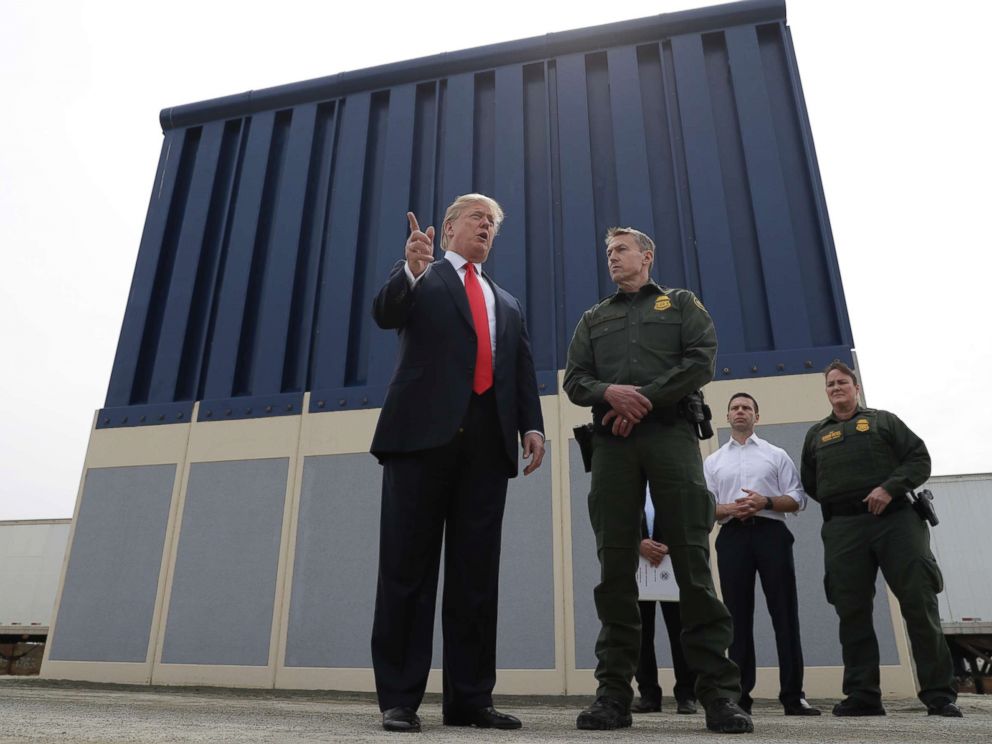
(449, 275)
(501, 308)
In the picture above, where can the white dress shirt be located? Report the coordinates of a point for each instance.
(756, 465)
(649, 512)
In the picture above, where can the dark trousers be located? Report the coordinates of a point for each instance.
(854, 548)
(762, 547)
(667, 457)
(647, 665)
(457, 492)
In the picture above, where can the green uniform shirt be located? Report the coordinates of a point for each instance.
(661, 340)
(845, 460)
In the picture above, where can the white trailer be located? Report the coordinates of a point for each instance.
(31, 555)
(961, 546)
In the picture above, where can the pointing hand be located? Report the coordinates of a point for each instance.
(419, 246)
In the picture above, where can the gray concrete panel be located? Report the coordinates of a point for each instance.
(817, 619)
(223, 590)
(334, 574)
(585, 566)
(108, 598)
(526, 631)
(525, 634)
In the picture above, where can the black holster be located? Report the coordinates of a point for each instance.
(923, 506)
(583, 438)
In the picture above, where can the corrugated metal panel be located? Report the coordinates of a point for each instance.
(276, 214)
(960, 543)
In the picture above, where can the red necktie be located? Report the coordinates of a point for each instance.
(483, 379)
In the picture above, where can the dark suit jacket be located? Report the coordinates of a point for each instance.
(430, 390)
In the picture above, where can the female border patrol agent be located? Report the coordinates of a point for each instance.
(860, 463)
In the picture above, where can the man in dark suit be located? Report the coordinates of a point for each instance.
(464, 389)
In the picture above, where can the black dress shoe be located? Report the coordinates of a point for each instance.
(686, 706)
(603, 715)
(401, 719)
(946, 709)
(801, 708)
(727, 717)
(855, 707)
(646, 705)
(487, 717)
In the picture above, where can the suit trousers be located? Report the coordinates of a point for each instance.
(762, 547)
(647, 665)
(667, 457)
(456, 492)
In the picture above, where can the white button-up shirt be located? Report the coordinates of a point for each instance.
(757, 465)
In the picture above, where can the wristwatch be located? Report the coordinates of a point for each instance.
(769, 504)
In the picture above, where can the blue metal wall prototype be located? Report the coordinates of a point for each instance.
(276, 214)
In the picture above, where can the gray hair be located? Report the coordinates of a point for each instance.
(643, 241)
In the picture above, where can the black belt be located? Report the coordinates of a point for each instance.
(854, 507)
(751, 522)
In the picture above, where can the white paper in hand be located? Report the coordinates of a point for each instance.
(657, 582)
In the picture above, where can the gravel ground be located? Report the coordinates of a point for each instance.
(33, 710)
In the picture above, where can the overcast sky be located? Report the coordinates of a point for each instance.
(897, 95)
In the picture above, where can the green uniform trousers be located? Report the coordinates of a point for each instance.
(854, 548)
(666, 456)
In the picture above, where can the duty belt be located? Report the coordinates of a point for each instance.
(853, 507)
(664, 415)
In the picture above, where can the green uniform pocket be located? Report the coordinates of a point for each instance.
(931, 571)
(662, 331)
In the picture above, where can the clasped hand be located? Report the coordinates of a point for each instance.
(748, 505)
(652, 551)
(628, 406)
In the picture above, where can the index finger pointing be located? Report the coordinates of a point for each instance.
(412, 219)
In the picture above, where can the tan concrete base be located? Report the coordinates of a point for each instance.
(219, 675)
(799, 398)
(97, 671)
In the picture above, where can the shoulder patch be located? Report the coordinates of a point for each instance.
(699, 304)
(862, 425)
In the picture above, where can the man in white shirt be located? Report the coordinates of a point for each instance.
(756, 484)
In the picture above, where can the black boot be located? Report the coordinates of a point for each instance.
(606, 713)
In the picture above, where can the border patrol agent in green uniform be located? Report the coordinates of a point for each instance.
(633, 358)
(859, 463)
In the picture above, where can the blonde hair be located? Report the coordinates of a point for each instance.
(463, 201)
